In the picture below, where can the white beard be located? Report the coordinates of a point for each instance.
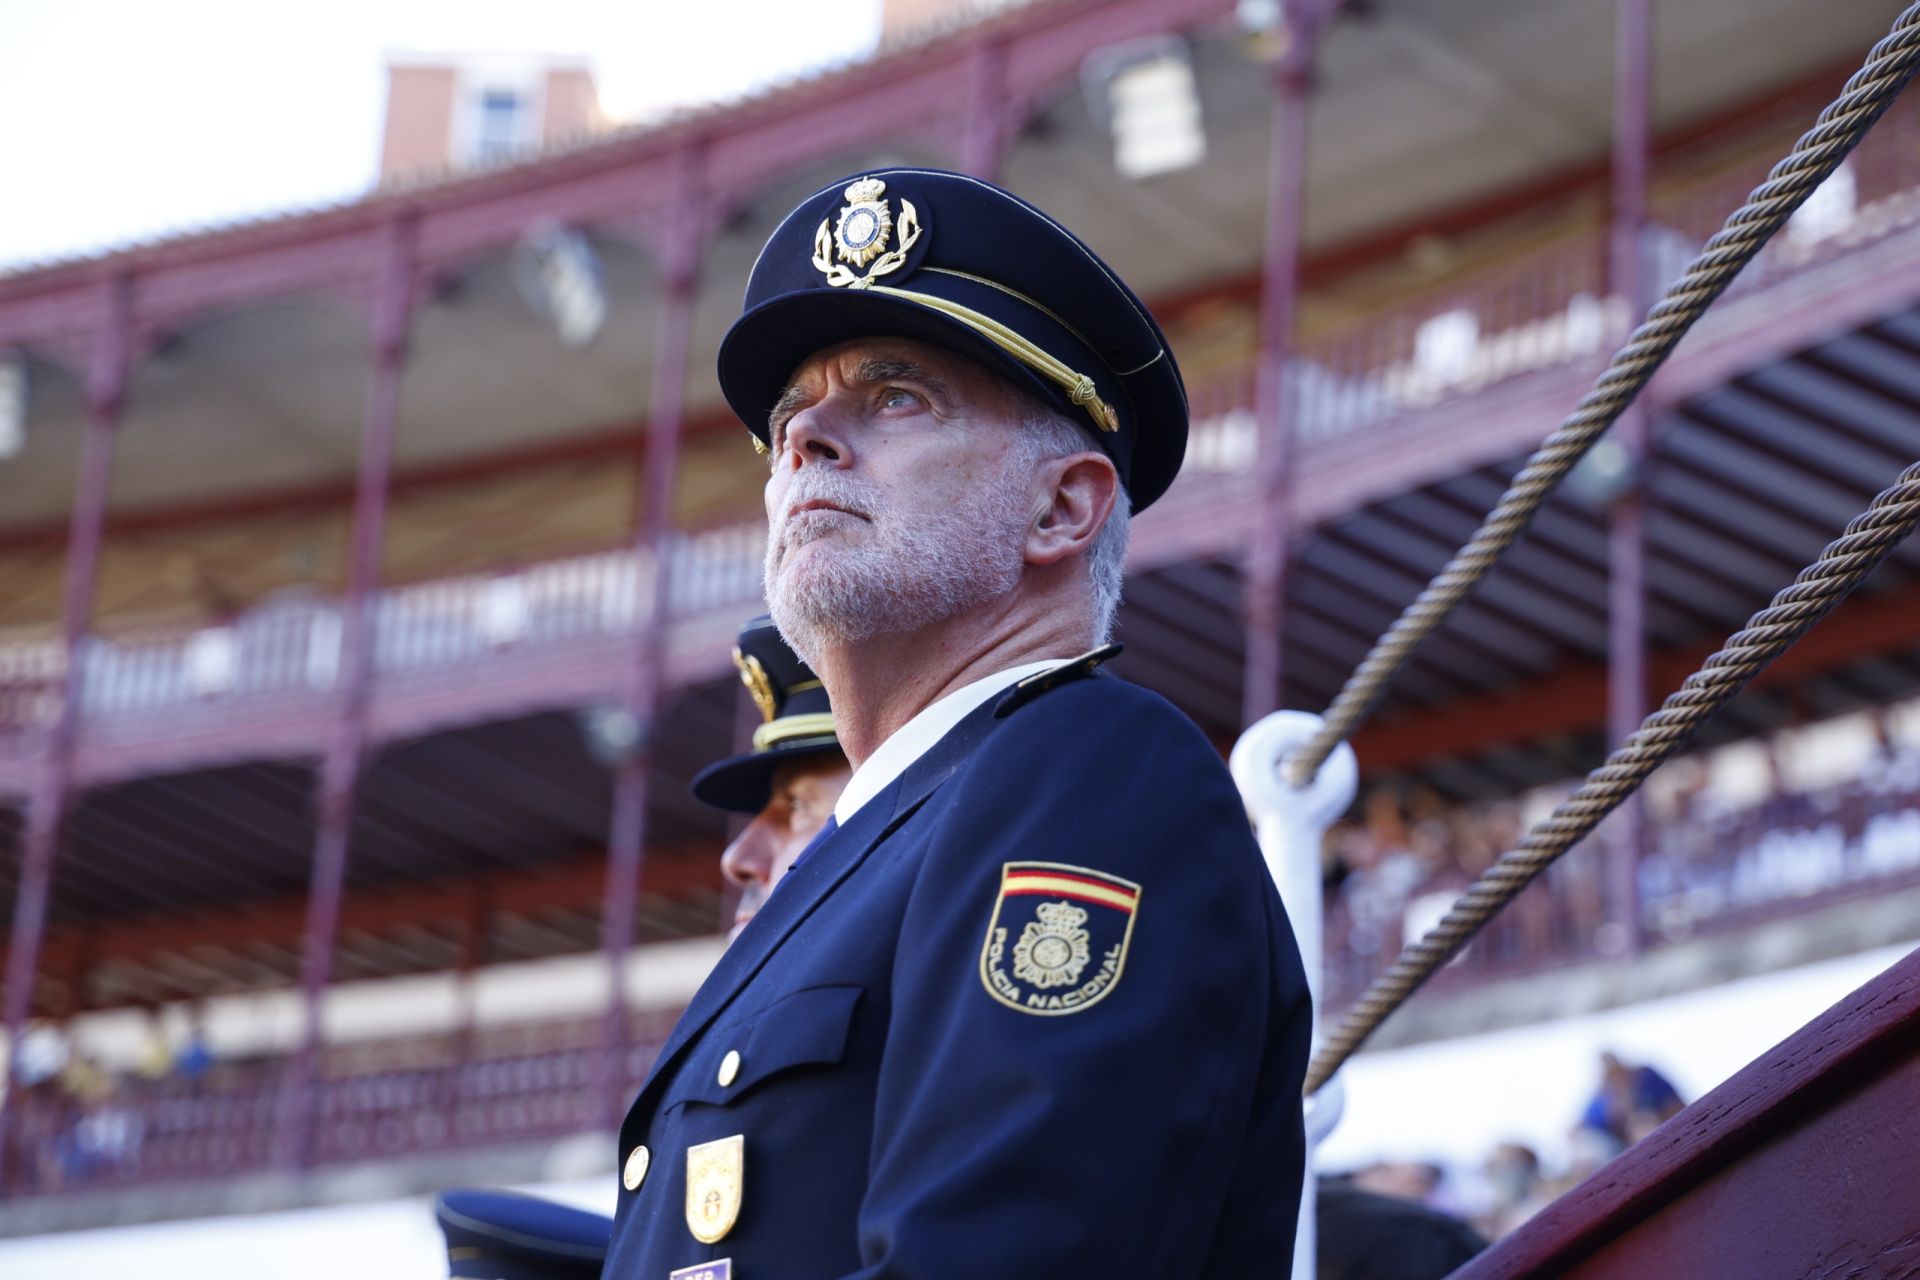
(902, 572)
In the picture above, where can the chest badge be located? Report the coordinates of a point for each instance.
(714, 1174)
(1057, 942)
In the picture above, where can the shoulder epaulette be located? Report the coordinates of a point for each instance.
(1035, 685)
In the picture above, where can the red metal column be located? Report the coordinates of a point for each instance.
(346, 746)
(1293, 72)
(47, 806)
(990, 118)
(653, 538)
(1626, 535)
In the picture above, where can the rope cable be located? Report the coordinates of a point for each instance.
(1888, 67)
(1819, 587)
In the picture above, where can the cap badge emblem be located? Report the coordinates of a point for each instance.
(860, 236)
(759, 683)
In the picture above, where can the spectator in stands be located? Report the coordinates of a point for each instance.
(85, 1080)
(1382, 873)
(1416, 1180)
(157, 1059)
(105, 1131)
(43, 1054)
(1631, 1101)
(1894, 768)
(196, 1055)
(791, 778)
(1517, 1188)
(1364, 1235)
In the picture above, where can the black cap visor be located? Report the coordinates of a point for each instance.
(744, 783)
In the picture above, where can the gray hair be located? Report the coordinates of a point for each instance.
(1046, 434)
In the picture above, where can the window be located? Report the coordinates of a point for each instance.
(503, 115)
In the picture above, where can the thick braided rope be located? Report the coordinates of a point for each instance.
(1821, 585)
(1818, 153)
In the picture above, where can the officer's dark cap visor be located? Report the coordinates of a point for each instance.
(744, 783)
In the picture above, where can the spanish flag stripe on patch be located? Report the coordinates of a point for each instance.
(1054, 884)
(1062, 873)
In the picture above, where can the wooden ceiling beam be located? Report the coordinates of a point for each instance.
(279, 924)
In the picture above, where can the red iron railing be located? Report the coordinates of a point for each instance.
(373, 1101)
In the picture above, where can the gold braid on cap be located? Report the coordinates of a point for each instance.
(759, 684)
(1078, 386)
(787, 728)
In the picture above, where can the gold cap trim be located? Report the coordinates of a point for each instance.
(816, 725)
(1079, 387)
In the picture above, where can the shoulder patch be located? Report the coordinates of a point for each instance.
(1033, 686)
(1057, 941)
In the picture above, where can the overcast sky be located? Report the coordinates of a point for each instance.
(128, 120)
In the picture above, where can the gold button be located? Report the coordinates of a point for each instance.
(636, 1173)
(729, 1068)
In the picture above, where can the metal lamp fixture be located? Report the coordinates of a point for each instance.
(1146, 92)
(559, 275)
(13, 403)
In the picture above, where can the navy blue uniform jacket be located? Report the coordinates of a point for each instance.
(950, 1066)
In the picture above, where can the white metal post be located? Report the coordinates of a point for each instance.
(1291, 824)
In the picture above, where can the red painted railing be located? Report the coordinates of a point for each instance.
(537, 1081)
(372, 1101)
(291, 646)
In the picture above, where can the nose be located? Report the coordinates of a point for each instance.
(749, 859)
(815, 435)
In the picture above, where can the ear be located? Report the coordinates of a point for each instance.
(1074, 496)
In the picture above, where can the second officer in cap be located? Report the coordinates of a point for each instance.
(791, 778)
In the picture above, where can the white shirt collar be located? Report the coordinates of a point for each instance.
(914, 738)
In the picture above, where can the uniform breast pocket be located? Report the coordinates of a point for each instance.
(804, 1029)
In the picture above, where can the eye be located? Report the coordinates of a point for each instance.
(898, 398)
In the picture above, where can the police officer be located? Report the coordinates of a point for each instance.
(788, 782)
(791, 778)
(1030, 1005)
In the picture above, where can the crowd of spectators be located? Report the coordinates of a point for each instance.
(98, 1125)
(1405, 855)
(1809, 811)
(1749, 827)
(1514, 1181)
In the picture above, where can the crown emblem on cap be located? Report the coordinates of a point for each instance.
(759, 683)
(860, 236)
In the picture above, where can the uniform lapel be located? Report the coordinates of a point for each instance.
(807, 885)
